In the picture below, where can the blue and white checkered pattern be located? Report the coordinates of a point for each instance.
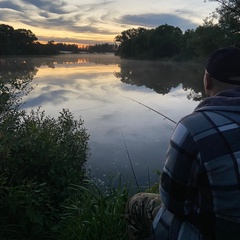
(200, 183)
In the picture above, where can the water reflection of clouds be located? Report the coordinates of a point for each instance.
(55, 97)
(176, 89)
(78, 81)
(178, 92)
(94, 93)
(128, 87)
(75, 89)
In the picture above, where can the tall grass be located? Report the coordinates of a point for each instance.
(95, 214)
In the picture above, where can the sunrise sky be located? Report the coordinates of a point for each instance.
(99, 21)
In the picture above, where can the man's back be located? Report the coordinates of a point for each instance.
(201, 180)
(200, 183)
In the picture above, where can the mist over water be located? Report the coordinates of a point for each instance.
(97, 88)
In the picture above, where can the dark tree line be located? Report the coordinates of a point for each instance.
(15, 41)
(170, 42)
(98, 48)
(24, 42)
(58, 47)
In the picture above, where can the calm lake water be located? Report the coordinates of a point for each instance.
(97, 88)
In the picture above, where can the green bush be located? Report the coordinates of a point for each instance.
(41, 157)
(44, 193)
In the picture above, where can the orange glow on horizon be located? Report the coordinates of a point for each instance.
(80, 39)
(71, 43)
(64, 36)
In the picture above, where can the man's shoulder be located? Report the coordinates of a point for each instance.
(195, 122)
(195, 118)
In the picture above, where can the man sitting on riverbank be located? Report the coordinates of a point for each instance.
(200, 183)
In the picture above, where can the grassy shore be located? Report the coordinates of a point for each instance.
(97, 214)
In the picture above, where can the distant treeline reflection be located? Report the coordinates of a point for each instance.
(162, 77)
(156, 75)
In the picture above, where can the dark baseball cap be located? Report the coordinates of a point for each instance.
(224, 65)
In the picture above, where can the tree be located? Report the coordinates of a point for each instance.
(19, 41)
(228, 15)
(6, 34)
(206, 39)
(100, 48)
(127, 38)
(6, 30)
(129, 34)
(149, 44)
(25, 36)
(187, 48)
(140, 46)
(164, 41)
(23, 40)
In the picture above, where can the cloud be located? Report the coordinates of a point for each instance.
(44, 14)
(78, 19)
(58, 15)
(61, 23)
(10, 11)
(49, 6)
(6, 15)
(10, 5)
(95, 6)
(155, 20)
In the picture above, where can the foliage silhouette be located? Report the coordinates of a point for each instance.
(161, 76)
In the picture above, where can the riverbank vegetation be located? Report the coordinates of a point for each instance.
(45, 190)
(41, 157)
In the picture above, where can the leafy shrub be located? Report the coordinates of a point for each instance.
(40, 158)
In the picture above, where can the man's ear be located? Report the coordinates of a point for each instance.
(208, 81)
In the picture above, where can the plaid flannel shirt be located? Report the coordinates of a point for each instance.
(200, 185)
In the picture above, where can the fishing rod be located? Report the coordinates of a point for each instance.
(130, 161)
(152, 110)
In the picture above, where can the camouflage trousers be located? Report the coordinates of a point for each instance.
(140, 212)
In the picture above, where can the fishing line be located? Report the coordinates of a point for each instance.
(125, 144)
(144, 105)
(130, 161)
